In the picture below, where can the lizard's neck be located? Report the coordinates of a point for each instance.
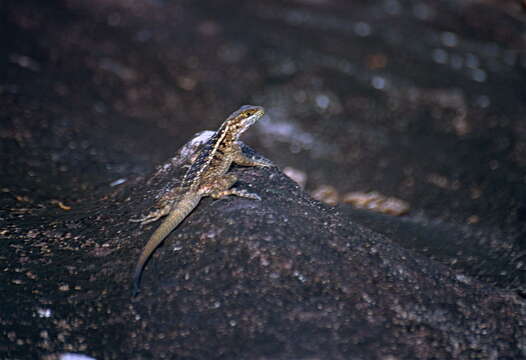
(227, 135)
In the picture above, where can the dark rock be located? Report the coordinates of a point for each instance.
(419, 100)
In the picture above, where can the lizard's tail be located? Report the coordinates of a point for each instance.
(180, 211)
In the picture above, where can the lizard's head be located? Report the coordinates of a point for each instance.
(245, 116)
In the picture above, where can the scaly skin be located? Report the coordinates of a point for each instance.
(207, 176)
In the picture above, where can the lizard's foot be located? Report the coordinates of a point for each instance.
(153, 216)
(236, 192)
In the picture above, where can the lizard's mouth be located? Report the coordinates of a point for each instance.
(253, 118)
(256, 116)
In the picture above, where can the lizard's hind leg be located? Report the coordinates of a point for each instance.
(154, 215)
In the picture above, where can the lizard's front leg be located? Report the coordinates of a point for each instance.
(223, 187)
(241, 159)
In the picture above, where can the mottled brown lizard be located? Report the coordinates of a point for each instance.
(207, 176)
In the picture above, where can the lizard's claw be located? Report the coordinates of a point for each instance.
(154, 215)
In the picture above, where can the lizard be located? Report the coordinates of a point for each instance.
(207, 176)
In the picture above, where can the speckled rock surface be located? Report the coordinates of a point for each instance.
(418, 100)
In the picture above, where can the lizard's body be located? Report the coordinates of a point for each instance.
(207, 176)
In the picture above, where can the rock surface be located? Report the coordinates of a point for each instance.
(419, 100)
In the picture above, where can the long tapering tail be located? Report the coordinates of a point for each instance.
(180, 211)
